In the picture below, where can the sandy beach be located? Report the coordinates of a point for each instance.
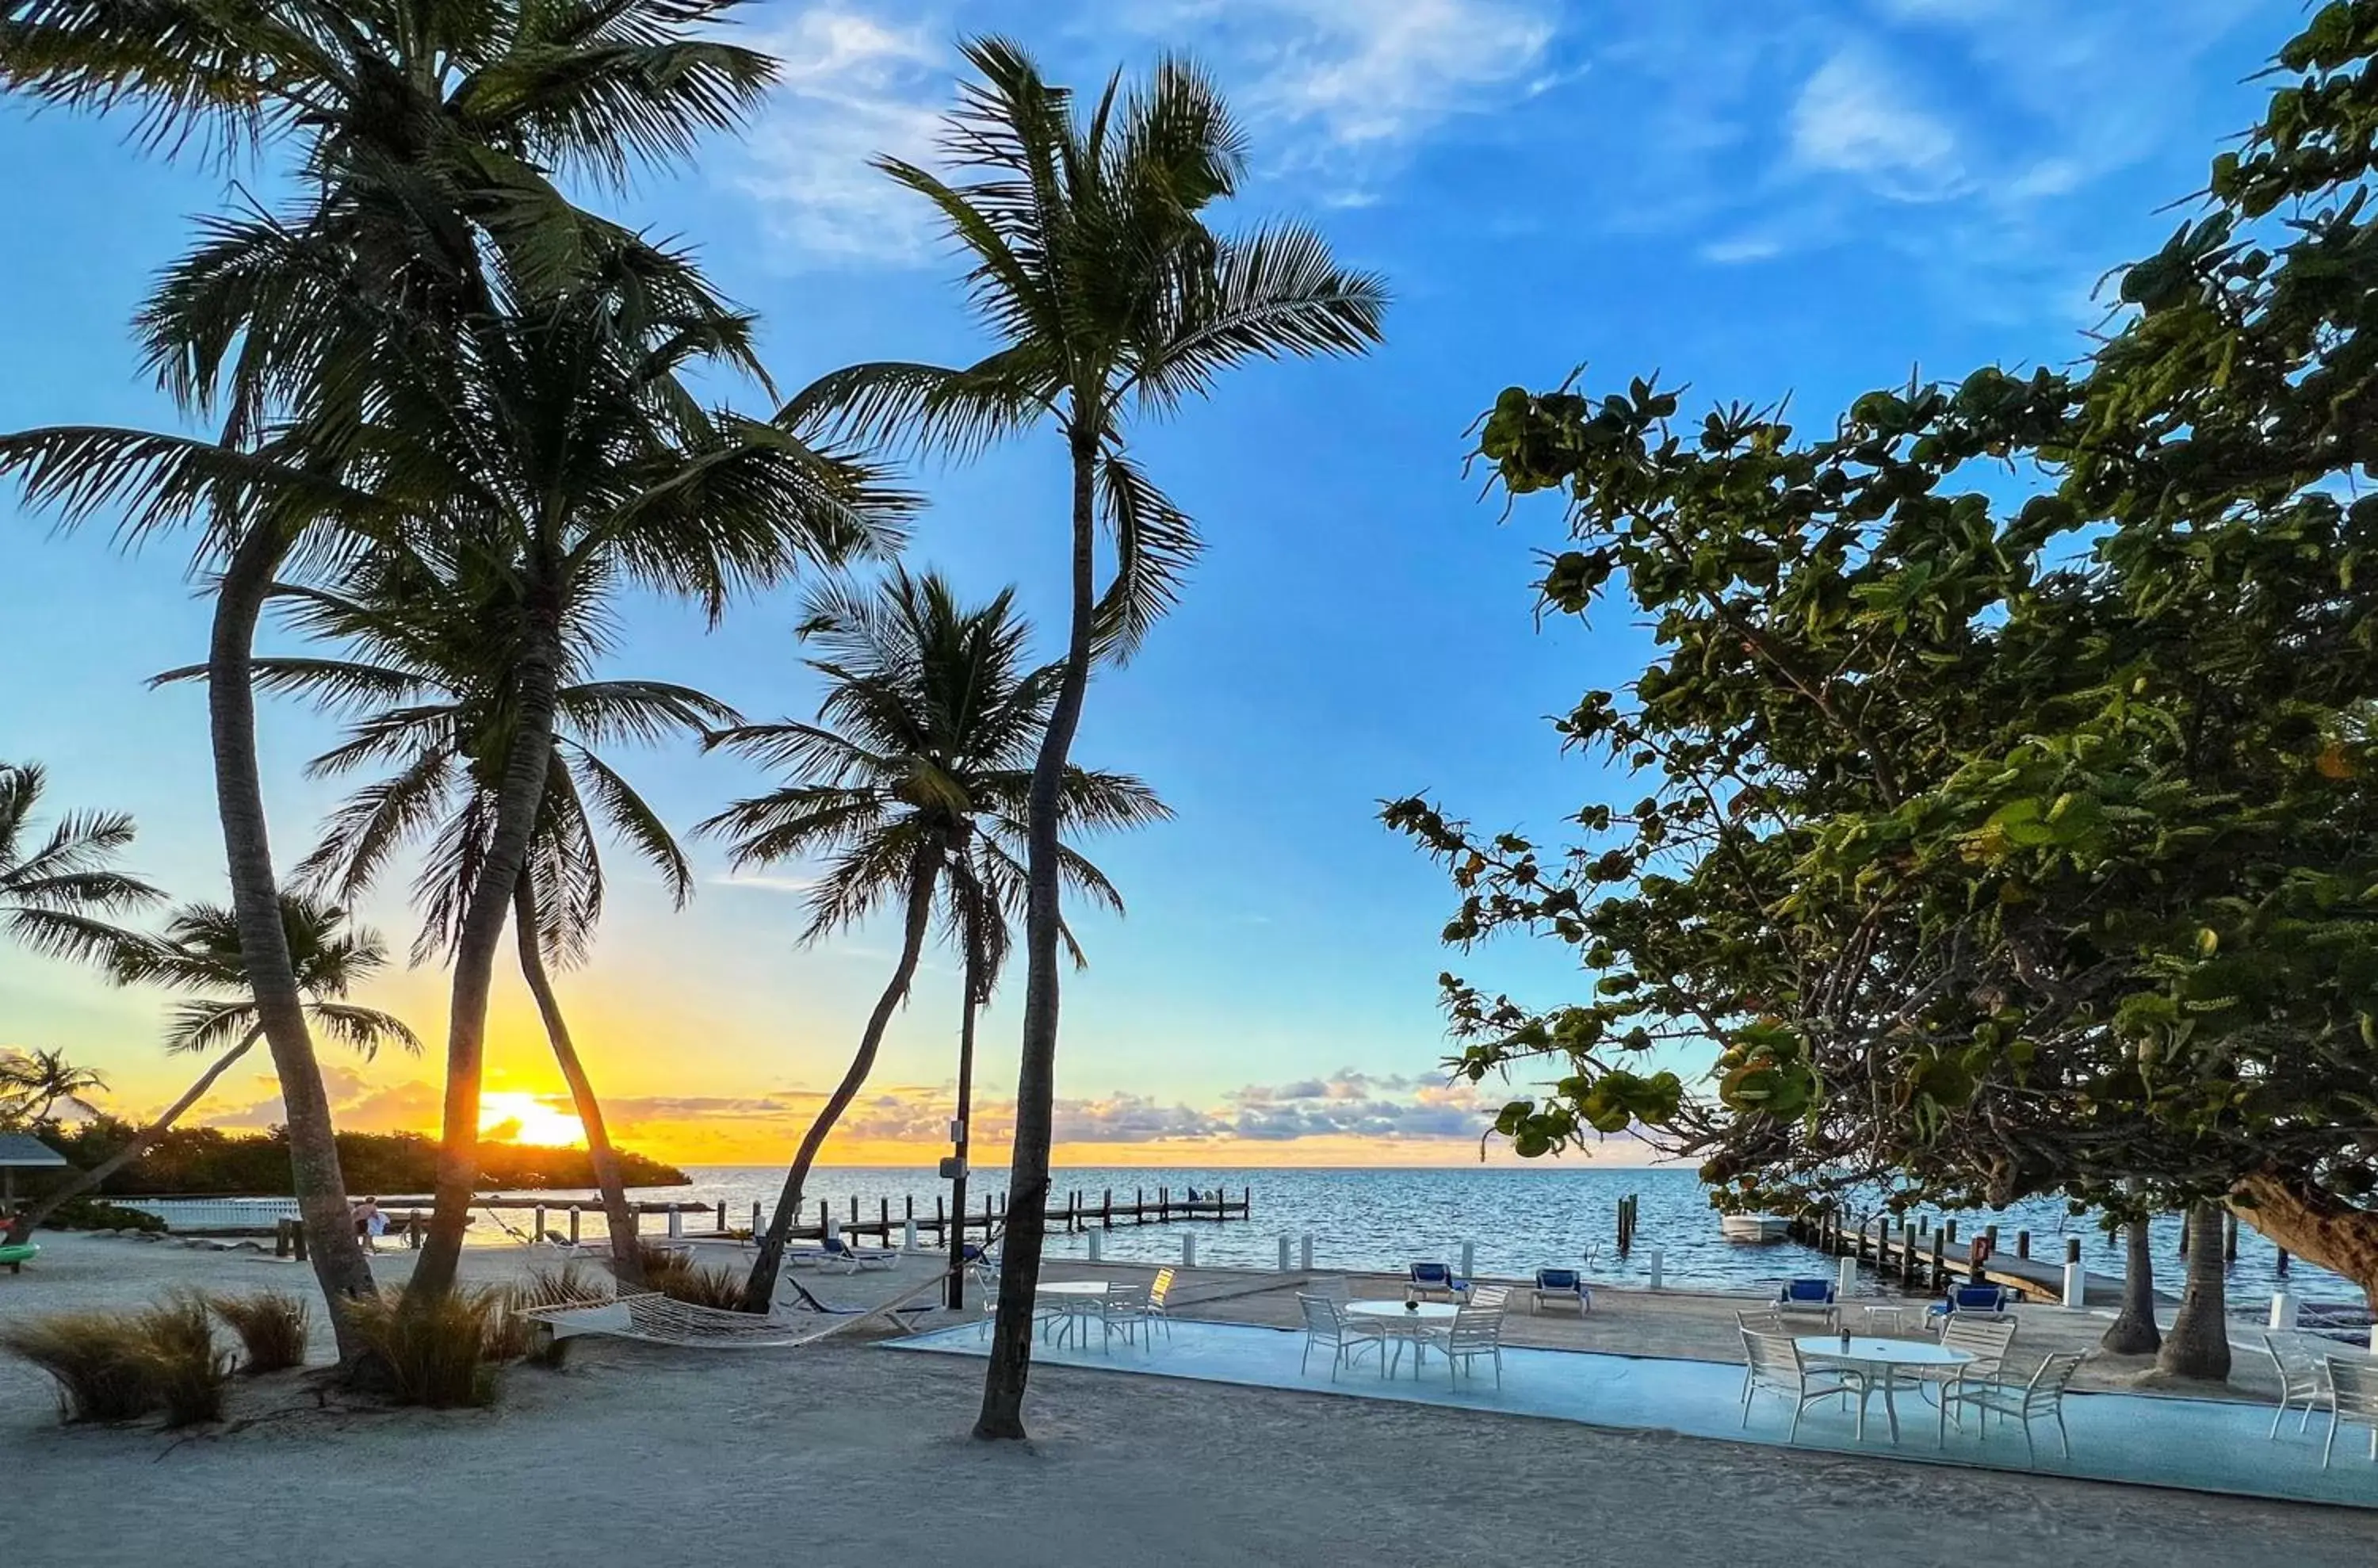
(842, 1452)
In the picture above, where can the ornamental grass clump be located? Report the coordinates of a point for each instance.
(441, 1354)
(187, 1373)
(94, 1357)
(272, 1326)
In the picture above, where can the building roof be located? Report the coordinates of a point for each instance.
(24, 1149)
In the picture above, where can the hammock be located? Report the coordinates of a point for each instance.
(656, 1319)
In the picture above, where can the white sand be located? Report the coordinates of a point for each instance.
(847, 1454)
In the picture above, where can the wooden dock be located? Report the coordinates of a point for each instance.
(407, 1217)
(1928, 1256)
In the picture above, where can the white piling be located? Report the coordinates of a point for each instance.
(909, 1233)
(1469, 1260)
(1846, 1279)
(2283, 1310)
(1656, 1260)
(1188, 1251)
(833, 1228)
(1305, 1254)
(538, 1234)
(2076, 1286)
(1097, 1245)
(676, 1225)
(1283, 1254)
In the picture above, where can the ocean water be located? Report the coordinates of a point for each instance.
(1516, 1220)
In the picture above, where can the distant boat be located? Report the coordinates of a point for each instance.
(1755, 1227)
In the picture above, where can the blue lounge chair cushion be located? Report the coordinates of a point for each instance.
(1807, 1292)
(1556, 1279)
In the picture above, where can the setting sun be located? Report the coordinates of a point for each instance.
(515, 1116)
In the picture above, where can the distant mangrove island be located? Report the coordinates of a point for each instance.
(204, 1160)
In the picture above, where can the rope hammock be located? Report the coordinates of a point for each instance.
(657, 1320)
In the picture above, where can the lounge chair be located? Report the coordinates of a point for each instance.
(1776, 1368)
(1971, 1298)
(2040, 1398)
(1475, 1332)
(1328, 1324)
(1813, 1298)
(839, 1253)
(2352, 1400)
(1435, 1282)
(2301, 1377)
(16, 1258)
(1561, 1287)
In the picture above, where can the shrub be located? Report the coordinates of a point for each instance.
(96, 1359)
(272, 1326)
(187, 1373)
(680, 1278)
(439, 1355)
(91, 1214)
(120, 1366)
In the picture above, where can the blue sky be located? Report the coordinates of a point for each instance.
(1803, 199)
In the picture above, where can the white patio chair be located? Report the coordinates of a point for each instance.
(1775, 1367)
(1122, 1309)
(1491, 1297)
(1326, 1323)
(2040, 1398)
(2352, 1400)
(2301, 1377)
(1475, 1331)
(1334, 1287)
(1986, 1339)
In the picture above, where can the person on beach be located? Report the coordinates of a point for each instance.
(370, 1223)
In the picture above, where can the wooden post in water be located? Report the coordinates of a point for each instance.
(2228, 1238)
(722, 1216)
(883, 1219)
(1163, 1204)
(1139, 1205)
(2283, 1263)
(1940, 1264)
(1911, 1262)
(2022, 1244)
(1949, 1233)
(942, 1221)
(1106, 1211)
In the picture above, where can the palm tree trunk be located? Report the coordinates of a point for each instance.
(518, 799)
(340, 1266)
(627, 1257)
(2313, 1222)
(2134, 1331)
(2198, 1345)
(760, 1290)
(1035, 1084)
(137, 1145)
(970, 1003)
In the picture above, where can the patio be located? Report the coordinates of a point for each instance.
(2206, 1446)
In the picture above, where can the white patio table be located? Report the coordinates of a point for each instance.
(1877, 1362)
(1404, 1321)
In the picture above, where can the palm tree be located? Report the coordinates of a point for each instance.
(200, 951)
(2198, 1345)
(32, 1082)
(1093, 266)
(430, 690)
(57, 893)
(914, 778)
(423, 136)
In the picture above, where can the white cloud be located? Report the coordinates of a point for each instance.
(1852, 118)
(851, 87)
(1364, 73)
(1741, 248)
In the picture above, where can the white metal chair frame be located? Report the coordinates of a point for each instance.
(1122, 1309)
(1768, 1355)
(1475, 1331)
(2301, 1376)
(1492, 1298)
(2041, 1396)
(1327, 1322)
(2352, 1400)
(1985, 1338)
